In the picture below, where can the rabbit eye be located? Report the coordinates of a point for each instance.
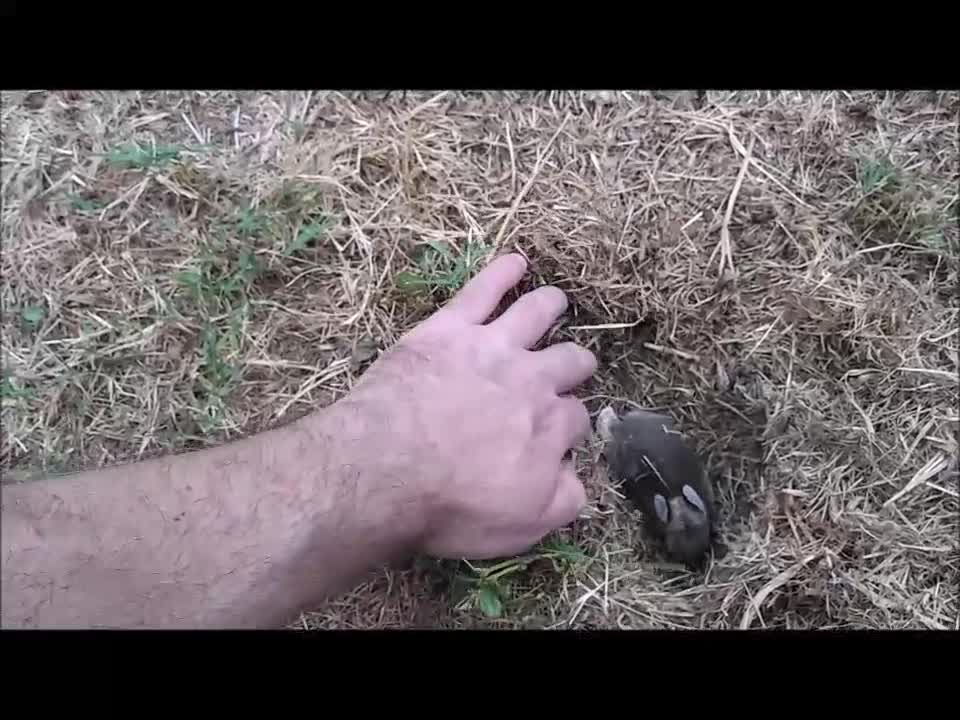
(694, 499)
(660, 505)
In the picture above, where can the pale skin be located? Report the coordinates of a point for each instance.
(452, 445)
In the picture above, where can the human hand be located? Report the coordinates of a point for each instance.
(486, 419)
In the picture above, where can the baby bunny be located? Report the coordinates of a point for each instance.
(663, 477)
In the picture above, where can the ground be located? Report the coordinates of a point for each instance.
(777, 270)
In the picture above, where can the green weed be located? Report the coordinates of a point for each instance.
(292, 223)
(299, 204)
(896, 207)
(491, 588)
(297, 196)
(938, 240)
(307, 234)
(876, 173)
(218, 375)
(84, 205)
(439, 268)
(140, 158)
(251, 222)
(32, 316)
(218, 287)
(14, 389)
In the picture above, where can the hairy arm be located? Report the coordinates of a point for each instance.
(242, 535)
(453, 444)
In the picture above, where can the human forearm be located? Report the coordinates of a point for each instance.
(452, 444)
(240, 535)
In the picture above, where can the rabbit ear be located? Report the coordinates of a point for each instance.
(660, 505)
(694, 498)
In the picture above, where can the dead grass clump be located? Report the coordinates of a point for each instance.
(777, 270)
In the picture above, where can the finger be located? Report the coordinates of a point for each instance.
(568, 502)
(480, 297)
(567, 424)
(564, 365)
(531, 316)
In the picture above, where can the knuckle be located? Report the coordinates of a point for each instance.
(583, 415)
(576, 412)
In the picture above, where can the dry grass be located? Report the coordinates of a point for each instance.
(779, 270)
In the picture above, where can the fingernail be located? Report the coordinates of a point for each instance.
(518, 258)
